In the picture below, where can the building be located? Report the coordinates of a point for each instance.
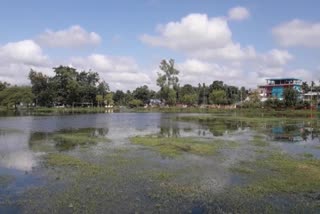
(275, 87)
(311, 96)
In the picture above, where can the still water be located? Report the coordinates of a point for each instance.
(108, 173)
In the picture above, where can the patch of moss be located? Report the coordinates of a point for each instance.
(176, 146)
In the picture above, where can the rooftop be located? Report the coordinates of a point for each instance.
(283, 79)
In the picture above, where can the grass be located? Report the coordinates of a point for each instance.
(66, 140)
(71, 139)
(242, 170)
(176, 146)
(259, 141)
(285, 174)
(5, 180)
(63, 160)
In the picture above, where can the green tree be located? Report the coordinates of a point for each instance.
(218, 97)
(203, 92)
(99, 99)
(169, 77)
(41, 88)
(168, 81)
(4, 85)
(16, 95)
(135, 103)
(142, 93)
(188, 95)
(290, 96)
(108, 99)
(172, 97)
(305, 87)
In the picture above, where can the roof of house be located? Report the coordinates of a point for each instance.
(283, 79)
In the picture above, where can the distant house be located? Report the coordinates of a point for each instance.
(311, 96)
(155, 102)
(275, 87)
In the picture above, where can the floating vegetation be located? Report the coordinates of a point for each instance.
(176, 146)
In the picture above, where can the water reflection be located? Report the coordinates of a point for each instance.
(66, 140)
(14, 152)
(293, 131)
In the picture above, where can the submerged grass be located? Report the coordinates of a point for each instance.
(72, 139)
(176, 146)
(5, 180)
(65, 140)
(284, 174)
(57, 160)
(258, 140)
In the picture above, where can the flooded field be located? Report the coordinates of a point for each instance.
(159, 163)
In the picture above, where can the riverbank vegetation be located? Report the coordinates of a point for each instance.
(69, 88)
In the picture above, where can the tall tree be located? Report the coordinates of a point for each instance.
(169, 77)
(168, 80)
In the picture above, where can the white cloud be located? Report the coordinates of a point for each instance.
(198, 36)
(276, 57)
(17, 58)
(193, 32)
(238, 13)
(119, 72)
(26, 52)
(298, 33)
(73, 37)
(194, 71)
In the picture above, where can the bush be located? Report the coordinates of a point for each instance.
(135, 103)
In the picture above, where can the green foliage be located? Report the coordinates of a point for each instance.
(290, 96)
(168, 81)
(170, 76)
(135, 103)
(67, 87)
(218, 97)
(120, 98)
(99, 99)
(188, 95)
(4, 85)
(172, 97)
(108, 100)
(274, 103)
(143, 93)
(13, 96)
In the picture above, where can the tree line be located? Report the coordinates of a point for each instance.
(69, 87)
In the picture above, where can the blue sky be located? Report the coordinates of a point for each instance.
(239, 42)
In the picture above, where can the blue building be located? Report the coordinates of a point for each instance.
(275, 87)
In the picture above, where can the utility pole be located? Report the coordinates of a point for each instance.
(241, 98)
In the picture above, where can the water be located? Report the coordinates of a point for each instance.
(119, 176)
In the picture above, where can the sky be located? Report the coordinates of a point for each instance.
(241, 42)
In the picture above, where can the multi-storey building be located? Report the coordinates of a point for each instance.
(275, 87)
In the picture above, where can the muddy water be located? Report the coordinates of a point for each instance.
(87, 163)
